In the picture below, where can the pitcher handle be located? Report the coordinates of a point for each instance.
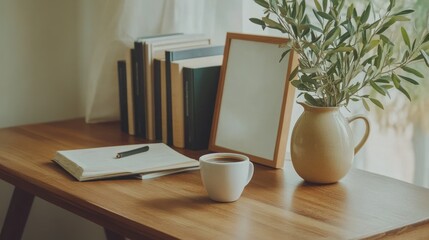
(366, 134)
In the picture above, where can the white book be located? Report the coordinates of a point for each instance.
(151, 175)
(99, 163)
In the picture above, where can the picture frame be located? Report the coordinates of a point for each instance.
(254, 99)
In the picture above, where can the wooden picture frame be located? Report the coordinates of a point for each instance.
(254, 99)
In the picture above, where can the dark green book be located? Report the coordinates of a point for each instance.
(200, 85)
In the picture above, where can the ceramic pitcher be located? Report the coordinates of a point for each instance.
(322, 144)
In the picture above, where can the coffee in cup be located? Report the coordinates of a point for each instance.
(225, 175)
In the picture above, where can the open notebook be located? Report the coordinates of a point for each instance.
(99, 163)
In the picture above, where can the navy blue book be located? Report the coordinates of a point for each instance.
(180, 54)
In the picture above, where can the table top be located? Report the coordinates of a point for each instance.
(276, 203)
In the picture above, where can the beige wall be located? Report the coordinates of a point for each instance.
(39, 74)
(43, 46)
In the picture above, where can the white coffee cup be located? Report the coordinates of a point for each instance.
(225, 175)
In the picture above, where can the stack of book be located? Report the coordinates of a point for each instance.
(167, 89)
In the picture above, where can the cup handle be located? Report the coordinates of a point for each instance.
(366, 134)
(250, 174)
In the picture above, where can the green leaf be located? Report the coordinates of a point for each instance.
(365, 104)
(405, 92)
(319, 8)
(391, 5)
(257, 21)
(386, 39)
(410, 80)
(325, 5)
(374, 24)
(310, 70)
(283, 8)
(308, 80)
(387, 87)
(272, 24)
(382, 80)
(344, 49)
(295, 83)
(368, 60)
(262, 3)
(274, 6)
(365, 14)
(425, 57)
(377, 88)
(284, 54)
(374, 43)
(426, 38)
(377, 103)
(325, 16)
(413, 71)
(396, 81)
(401, 18)
(340, 6)
(316, 29)
(293, 73)
(330, 40)
(318, 17)
(404, 12)
(350, 11)
(405, 37)
(301, 10)
(289, 20)
(344, 37)
(386, 25)
(310, 99)
(294, 9)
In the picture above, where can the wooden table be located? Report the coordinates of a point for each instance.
(276, 204)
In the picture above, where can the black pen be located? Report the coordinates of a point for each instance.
(132, 152)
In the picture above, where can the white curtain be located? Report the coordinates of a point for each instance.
(121, 22)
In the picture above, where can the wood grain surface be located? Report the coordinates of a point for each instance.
(276, 204)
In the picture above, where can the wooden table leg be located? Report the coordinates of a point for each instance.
(112, 235)
(17, 214)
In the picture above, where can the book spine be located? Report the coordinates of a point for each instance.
(122, 84)
(157, 99)
(148, 77)
(189, 110)
(177, 105)
(130, 93)
(163, 102)
(168, 59)
(197, 52)
(139, 91)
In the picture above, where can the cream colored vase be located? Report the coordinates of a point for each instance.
(322, 145)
